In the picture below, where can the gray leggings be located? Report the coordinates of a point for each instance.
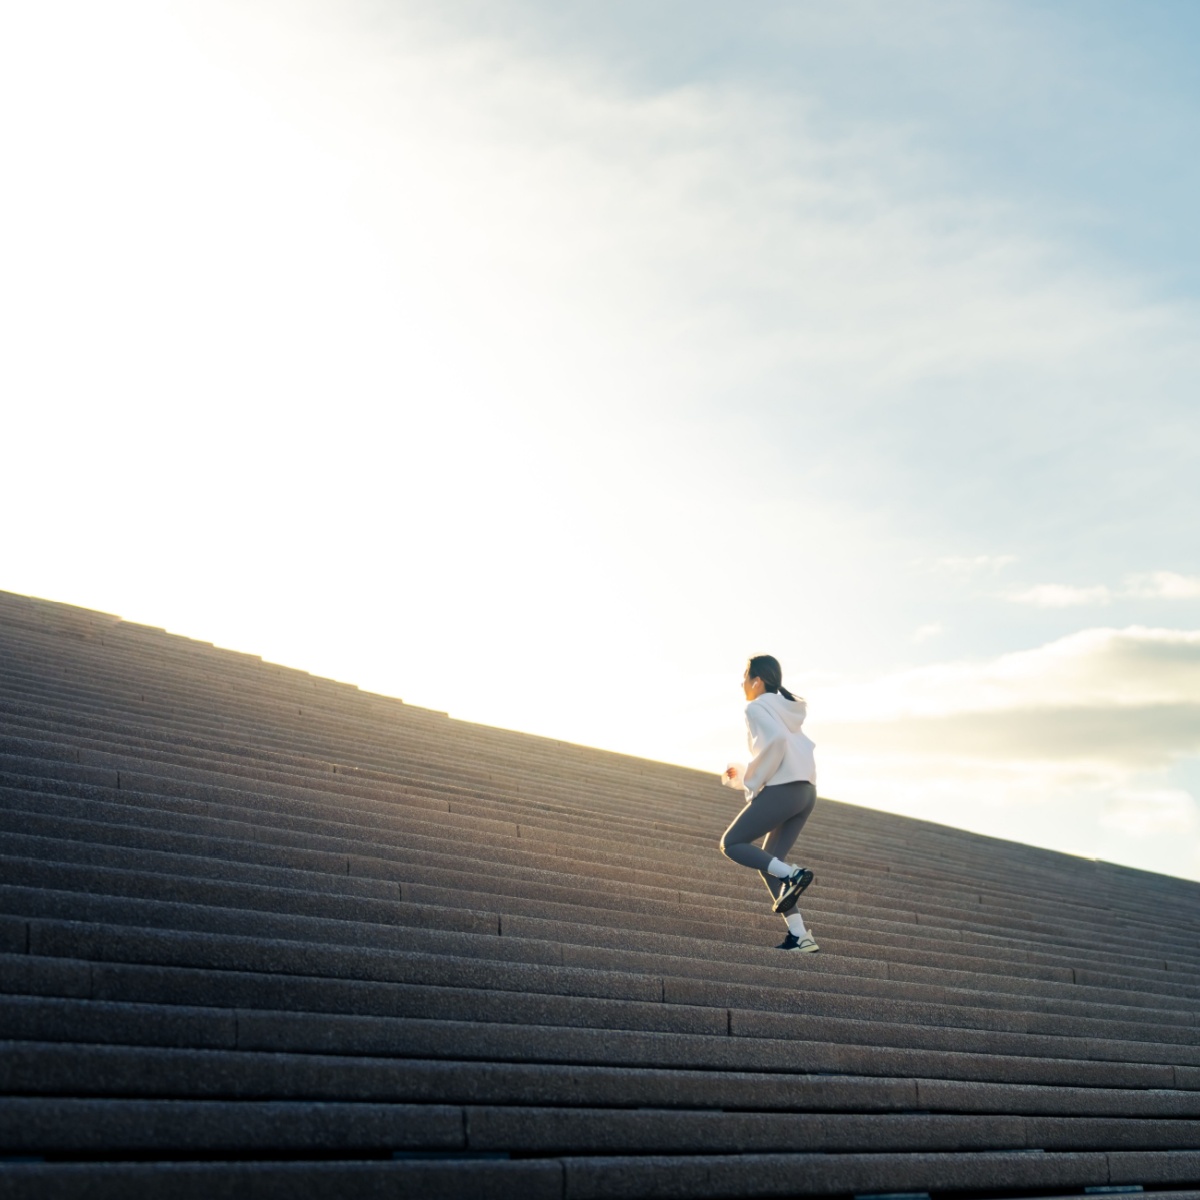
(780, 813)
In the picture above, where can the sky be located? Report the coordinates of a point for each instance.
(538, 363)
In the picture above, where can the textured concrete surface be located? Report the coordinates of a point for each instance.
(248, 912)
(448, 1180)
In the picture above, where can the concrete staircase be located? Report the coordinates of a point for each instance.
(262, 934)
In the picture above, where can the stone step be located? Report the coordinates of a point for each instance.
(474, 990)
(975, 924)
(58, 1069)
(52, 1125)
(339, 948)
(610, 1177)
(182, 1025)
(704, 948)
(691, 798)
(929, 887)
(1075, 1002)
(28, 861)
(893, 839)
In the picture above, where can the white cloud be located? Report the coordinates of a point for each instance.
(1102, 666)
(1153, 585)
(1117, 698)
(1058, 595)
(1067, 745)
(1166, 585)
(978, 564)
(1130, 738)
(924, 632)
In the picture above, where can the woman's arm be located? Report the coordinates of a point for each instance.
(767, 744)
(734, 775)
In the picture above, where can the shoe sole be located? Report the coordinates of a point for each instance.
(786, 900)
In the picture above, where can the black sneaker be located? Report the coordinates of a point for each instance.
(793, 885)
(804, 945)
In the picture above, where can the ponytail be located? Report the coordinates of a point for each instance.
(767, 668)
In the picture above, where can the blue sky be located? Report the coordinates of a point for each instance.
(1082, 110)
(540, 362)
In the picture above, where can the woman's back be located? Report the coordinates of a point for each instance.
(781, 751)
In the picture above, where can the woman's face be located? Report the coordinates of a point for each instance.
(752, 688)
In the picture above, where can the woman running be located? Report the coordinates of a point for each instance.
(780, 783)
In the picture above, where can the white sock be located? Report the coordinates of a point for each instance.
(795, 924)
(779, 869)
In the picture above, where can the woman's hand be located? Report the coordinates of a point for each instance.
(733, 775)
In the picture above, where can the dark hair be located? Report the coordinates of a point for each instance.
(766, 668)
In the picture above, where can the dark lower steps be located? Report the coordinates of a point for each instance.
(486, 1030)
(179, 1128)
(425, 986)
(612, 1177)
(58, 1069)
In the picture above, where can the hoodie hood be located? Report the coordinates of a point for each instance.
(790, 713)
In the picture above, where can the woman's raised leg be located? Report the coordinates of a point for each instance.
(780, 840)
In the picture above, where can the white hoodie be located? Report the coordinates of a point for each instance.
(781, 751)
